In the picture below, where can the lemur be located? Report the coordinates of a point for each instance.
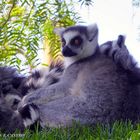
(93, 88)
(29, 114)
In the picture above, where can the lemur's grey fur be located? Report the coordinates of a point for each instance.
(92, 88)
(14, 86)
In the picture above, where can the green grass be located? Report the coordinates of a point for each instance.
(117, 131)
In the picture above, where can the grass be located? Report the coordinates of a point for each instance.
(117, 131)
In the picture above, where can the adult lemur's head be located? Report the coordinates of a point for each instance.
(78, 42)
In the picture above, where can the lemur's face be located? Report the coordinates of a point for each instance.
(79, 41)
(72, 43)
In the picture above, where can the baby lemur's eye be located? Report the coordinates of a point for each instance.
(63, 42)
(76, 41)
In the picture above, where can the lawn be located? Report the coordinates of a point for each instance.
(116, 131)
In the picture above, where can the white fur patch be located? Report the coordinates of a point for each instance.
(89, 48)
(34, 116)
(103, 48)
(92, 29)
(27, 122)
(69, 60)
(69, 35)
(10, 99)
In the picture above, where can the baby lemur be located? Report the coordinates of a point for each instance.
(94, 87)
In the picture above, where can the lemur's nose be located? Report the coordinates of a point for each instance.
(67, 52)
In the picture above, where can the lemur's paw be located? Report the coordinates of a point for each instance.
(29, 114)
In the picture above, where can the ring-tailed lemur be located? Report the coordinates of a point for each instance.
(12, 89)
(92, 88)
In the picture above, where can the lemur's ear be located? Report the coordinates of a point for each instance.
(92, 31)
(121, 40)
(59, 31)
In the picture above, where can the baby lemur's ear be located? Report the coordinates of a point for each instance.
(121, 40)
(92, 31)
(59, 31)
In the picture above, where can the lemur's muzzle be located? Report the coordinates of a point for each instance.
(67, 52)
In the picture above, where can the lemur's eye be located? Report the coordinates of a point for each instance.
(76, 41)
(63, 42)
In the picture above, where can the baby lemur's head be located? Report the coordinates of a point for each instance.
(78, 42)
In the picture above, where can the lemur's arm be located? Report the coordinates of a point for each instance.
(44, 95)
